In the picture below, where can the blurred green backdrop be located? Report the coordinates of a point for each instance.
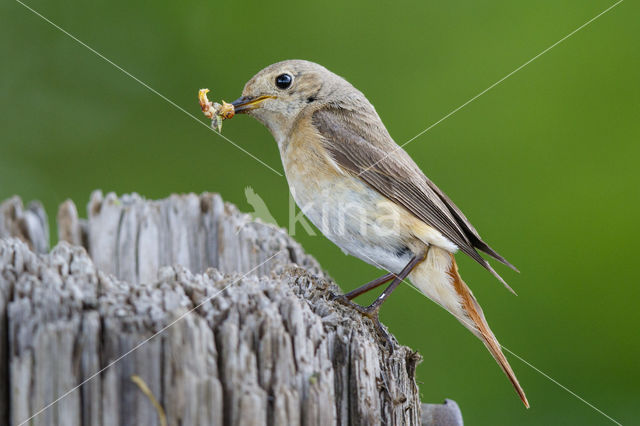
(545, 164)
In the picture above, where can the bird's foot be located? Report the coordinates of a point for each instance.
(344, 300)
(370, 312)
(382, 333)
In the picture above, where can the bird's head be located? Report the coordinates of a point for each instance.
(282, 93)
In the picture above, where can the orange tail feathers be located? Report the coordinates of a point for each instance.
(476, 322)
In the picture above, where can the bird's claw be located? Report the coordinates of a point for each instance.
(383, 334)
(344, 300)
(336, 297)
(370, 312)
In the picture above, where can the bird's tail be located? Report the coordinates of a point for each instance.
(438, 278)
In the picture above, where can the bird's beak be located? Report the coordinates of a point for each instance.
(247, 103)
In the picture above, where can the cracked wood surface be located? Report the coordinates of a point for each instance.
(225, 319)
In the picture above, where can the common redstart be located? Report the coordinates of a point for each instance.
(366, 194)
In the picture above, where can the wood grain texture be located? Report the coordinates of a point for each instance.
(29, 225)
(226, 320)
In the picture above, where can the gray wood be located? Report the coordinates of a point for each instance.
(224, 318)
(30, 224)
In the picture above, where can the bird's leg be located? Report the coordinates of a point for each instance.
(346, 298)
(375, 306)
(372, 310)
(369, 286)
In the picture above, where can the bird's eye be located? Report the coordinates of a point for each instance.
(283, 81)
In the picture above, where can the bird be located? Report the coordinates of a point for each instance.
(367, 195)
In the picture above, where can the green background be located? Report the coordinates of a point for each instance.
(545, 164)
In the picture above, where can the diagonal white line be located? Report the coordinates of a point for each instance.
(64, 395)
(492, 86)
(175, 105)
(508, 350)
(560, 385)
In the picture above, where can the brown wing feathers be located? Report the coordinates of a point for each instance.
(472, 234)
(363, 151)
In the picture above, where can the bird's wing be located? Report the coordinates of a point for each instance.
(372, 156)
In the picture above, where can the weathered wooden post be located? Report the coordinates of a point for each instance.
(224, 320)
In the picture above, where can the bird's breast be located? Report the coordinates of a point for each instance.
(351, 214)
